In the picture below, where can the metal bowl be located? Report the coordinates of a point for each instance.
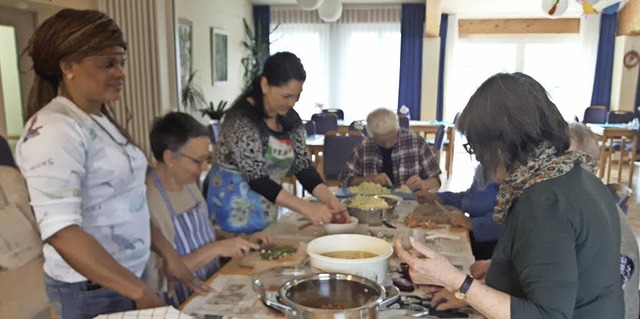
(270, 280)
(372, 216)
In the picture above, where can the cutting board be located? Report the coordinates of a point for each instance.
(253, 259)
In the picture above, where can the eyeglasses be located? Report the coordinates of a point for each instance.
(199, 162)
(468, 148)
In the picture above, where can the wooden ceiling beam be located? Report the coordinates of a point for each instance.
(432, 16)
(518, 26)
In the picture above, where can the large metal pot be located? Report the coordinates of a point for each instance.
(371, 216)
(331, 295)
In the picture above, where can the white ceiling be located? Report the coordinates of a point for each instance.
(471, 9)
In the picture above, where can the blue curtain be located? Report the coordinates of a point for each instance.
(443, 50)
(261, 21)
(604, 64)
(412, 33)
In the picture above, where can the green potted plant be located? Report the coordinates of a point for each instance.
(215, 113)
(191, 95)
(258, 53)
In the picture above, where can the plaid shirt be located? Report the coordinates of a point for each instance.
(410, 156)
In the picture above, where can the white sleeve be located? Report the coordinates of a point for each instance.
(51, 155)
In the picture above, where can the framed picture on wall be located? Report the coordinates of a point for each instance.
(185, 48)
(219, 51)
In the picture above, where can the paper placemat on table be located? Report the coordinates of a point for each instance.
(167, 312)
(232, 297)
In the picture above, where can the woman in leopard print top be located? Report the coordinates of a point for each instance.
(263, 140)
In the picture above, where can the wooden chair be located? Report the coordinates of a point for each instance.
(621, 142)
(337, 150)
(620, 117)
(403, 121)
(325, 122)
(622, 195)
(339, 113)
(595, 114)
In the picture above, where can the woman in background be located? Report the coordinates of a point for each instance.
(180, 145)
(262, 141)
(85, 177)
(478, 201)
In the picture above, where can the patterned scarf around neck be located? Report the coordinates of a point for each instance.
(542, 166)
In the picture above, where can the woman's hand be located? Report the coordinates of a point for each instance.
(458, 219)
(445, 299)
(149, 299)
(260, 238)
(425, 196)
(338, 208)
(320, 213)
(178, 272)
(234, 247)
(479, 269)
(433, 269)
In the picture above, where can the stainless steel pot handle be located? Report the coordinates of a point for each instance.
(392, 294)
(270, 298)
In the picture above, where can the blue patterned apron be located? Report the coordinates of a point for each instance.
(193, 230)
(233, 204)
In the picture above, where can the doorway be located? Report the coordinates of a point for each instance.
(16, 27)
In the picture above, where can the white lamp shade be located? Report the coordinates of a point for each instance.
(309, 4)
(554, 8)
(330, 10)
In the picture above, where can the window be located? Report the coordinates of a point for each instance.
(353, 65)
(554, 61)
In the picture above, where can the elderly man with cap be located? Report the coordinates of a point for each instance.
(392, 156)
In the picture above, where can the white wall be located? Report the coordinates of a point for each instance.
(222, 14)
(10, 87)
(624, 81)
(430, 63)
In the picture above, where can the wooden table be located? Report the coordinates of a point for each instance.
(287, 228)
(622, 135)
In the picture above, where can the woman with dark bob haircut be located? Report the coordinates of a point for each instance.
(262, 141)
(559, 255)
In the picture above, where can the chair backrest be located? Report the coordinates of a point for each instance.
(338, 113)
(6, 158)
(214, 132)
(439, 139)
(615, 117)
(325, 122)
(337, 150)
(403, 121)
(310, 127)
(622, 195)
(455, 118)
(595, 114)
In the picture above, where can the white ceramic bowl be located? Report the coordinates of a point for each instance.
(374, 268)
(341, 228)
